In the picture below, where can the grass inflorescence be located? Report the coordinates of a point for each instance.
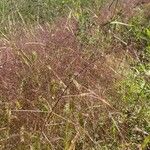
(74, 75)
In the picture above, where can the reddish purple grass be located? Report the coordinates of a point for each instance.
(59, 57)
(37, 84)
(125, 8)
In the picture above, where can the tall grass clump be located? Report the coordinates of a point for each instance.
(74, 75)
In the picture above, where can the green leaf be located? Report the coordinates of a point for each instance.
(148, 32)
(146, 142)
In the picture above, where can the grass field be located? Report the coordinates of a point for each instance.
(74, 75)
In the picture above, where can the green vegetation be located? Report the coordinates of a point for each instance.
(74, 75)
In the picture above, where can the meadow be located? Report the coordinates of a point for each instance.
(74, 75)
